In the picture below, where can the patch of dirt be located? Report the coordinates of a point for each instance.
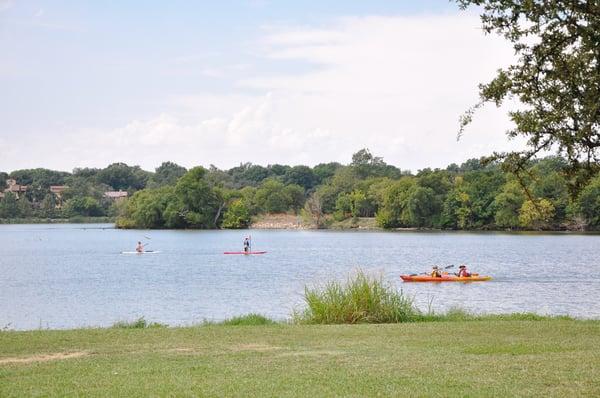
(311, 353)
(278, 221)
(182, 349)
(44, 357)
(255, 347)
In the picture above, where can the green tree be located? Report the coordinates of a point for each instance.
(3, 178)
(302, 176)
(328, 195)
(47, 207)
(552, 186)
(376, 193)
(120, 176)
(25, 207)
(200, 203)
(324, 171)
(220, 178)
(146, 208)
(422, 207)
(248, 194)
(456, 212)
(313, 210)
(588, 203)
(536, 215)
(86, 172)
(343, 206)
(174, 214)
(367, 165)
(249, 174)
(237, 215)
(9, 207)
(166, 174)
(83, 206)
(343, 181)
(508, 204)
(556, 78)
(38, 181)
(395, 210)
(482, 186)
(39, 177)
(295, 196)
(270, 197)
(278, 170)
(275, 197)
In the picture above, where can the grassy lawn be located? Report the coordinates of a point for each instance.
(465, 358)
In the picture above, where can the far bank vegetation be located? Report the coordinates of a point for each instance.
(473, 195)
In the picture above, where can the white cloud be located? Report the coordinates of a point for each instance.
(394, 84)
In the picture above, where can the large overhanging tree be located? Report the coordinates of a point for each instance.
(556, 78)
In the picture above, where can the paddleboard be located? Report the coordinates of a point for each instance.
(244, 252)
(144, 252)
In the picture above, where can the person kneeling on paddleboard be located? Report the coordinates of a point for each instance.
(462, 271)
(435, 272)
(139, 248)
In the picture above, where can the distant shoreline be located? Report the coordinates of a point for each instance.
(292, 222)
(73, 220)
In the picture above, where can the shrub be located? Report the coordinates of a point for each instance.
(536, 215)
(237, 215)
(139, 323)
(248, 320)
(362, 299)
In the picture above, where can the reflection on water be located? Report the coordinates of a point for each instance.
(74, 275)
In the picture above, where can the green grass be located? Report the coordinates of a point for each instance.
(494, 357)
(459, 314)
(361, 299)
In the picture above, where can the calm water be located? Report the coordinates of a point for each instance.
(69, 276)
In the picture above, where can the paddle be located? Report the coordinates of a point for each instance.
(427, 273)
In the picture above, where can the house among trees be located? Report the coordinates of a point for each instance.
(116, 195)
(58, 190)
(13, 187)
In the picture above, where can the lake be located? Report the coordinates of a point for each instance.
(67, 276)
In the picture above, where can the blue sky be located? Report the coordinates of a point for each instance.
(90, 83)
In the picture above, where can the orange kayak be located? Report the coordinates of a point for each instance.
(444, 278)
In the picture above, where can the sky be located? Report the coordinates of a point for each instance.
(86, 84)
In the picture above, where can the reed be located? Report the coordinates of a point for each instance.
(248, 320)
(362, 299)
(139, 323)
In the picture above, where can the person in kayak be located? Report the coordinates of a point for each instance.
(462, 271)
(247, 244)
(139, 248)
(435, 272)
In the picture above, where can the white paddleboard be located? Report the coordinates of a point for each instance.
(145, 252)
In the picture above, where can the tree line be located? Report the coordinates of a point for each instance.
(473, 195)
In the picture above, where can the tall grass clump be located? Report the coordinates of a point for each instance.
(248, 320)
(139, 323)
(362, 299)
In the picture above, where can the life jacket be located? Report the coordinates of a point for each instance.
(436, 274)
